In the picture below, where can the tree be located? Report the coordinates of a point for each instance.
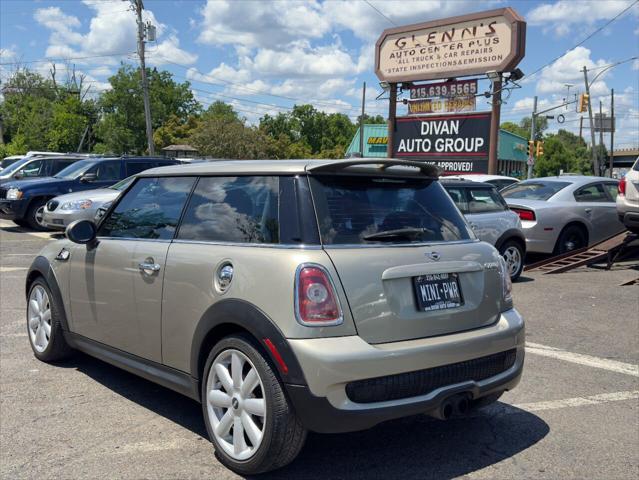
(40, 114)
(122, 128)
(377, 119)
(175, 131)
(523, 127)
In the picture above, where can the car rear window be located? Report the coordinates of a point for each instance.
(369, 210)
(534, 190)
(484, 200)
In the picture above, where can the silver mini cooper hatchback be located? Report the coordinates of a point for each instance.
(285, 296)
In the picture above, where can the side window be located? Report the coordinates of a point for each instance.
(591, 193)
(459, 197)
(612, 190)
(484, 200)
(150, 209)
(108, 171)
(32, 169)
(233, 209)
(60, 164)
(133, 168)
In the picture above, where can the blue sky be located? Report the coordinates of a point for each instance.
(263, 57)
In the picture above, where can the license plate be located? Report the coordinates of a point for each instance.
(438, 291)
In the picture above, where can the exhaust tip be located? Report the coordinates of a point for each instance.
(447, 410)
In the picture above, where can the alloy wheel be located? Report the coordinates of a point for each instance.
(39, 317)
(235, 404)
(39, 216)
(512, 256)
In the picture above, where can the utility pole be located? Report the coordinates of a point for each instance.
(612, 130)
(581, 125)
(595, 161)
(392, 114)
(601, 125)
(361, 122)
(494, 126)
(532, 136)
(137, 4)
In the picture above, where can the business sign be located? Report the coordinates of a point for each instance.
(604, 123)
(457, 46)
(377, 140)
(453, 88)
(456, 143)
(442, 105)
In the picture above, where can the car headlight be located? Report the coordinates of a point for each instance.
(506, 282)
(14, 194)
(77, 205)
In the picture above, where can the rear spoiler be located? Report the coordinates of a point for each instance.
(430, 171)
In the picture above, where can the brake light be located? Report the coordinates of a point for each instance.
(622, 186)
(525, 214)
(316, 302)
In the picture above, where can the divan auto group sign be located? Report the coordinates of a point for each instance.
(456, 143)
(457, 46)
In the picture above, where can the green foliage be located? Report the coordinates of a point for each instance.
(123, 127)
(523, 127)
(563, 151)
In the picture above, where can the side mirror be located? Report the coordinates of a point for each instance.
(88, 177)
(19, 174)
(81, 231)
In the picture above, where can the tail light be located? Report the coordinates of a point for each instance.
(525, 214)
(316, 302)
(622, 186)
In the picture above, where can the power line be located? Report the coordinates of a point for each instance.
(49, 60)
(378, 11)
(587, 38)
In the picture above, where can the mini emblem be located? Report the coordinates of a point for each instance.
(64, 255)
(433, 255)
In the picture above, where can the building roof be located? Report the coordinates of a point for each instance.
(181, 148)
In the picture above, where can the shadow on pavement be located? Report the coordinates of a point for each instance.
(171, 405)
(416, 447)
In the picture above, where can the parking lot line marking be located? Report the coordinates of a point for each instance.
(581, 359)
(578, 401)
(11, 269)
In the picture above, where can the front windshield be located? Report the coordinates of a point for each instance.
(122, 184)
(75, 169)
(534, 189)
(14, 167)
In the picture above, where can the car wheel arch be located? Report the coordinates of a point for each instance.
(511, 234)
(232, 316)
(40, 267)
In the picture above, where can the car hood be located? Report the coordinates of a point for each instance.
(95, 195)
(28, 182)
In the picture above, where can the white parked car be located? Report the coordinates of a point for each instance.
(498, 181)
(628, 199)
(565, 213)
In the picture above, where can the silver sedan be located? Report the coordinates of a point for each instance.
(560, 214)
(61, 211)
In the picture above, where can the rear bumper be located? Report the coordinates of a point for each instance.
(13, 209)
(329, 364)
(630, 219)
(540, 238)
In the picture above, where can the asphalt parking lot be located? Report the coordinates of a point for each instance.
(574, 415)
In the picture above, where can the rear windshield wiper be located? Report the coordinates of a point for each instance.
(408, 232)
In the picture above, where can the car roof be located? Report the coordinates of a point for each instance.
(481, 177)
(290, 167)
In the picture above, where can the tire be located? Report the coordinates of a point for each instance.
(35, 210)
(572, 237)
(281, 435)
(513, 254)
(43, 314)
(487, 400)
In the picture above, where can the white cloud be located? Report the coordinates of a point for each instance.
(169, 51)
(568, 70)
(254, 24)
(565, 15)
(302, 60)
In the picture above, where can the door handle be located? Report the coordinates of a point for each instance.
(588, 210)
(149, 268)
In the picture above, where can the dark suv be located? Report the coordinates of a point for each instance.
(23, 201)
(37, 166)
